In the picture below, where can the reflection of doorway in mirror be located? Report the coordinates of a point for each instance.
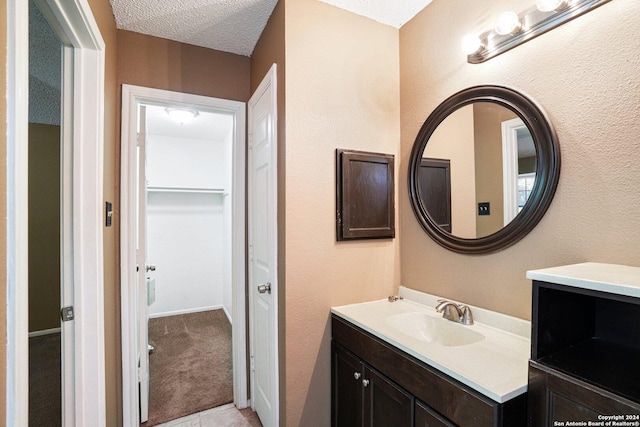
(519, 166)
(525, 185)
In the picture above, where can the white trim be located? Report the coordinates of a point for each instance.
(510, 167)
(131, 96)
(17, 373)
(75, 25)
(270, 82)
(44, 332)
(187, 311)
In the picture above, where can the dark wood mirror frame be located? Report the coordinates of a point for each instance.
(547, 172)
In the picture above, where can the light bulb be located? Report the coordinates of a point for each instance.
(508, 23)
(181, 116)
(471, 44)
(551, 5)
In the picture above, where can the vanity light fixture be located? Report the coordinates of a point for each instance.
(513, 29)
(508, 23)
(181, 115)
(471, 44)
(551, 5)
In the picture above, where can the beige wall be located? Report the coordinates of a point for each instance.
(341, 92)
(453, 140)
(584, 74)
(163, 64)
(270, 49)
(3, 209)
(44, 227)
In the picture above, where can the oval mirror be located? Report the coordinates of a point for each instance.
(483, 169)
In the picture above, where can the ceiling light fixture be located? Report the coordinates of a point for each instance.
(512, 29)
(181, 115)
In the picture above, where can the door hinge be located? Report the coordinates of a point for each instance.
(66, 314)
(139, 139)
(252, 364)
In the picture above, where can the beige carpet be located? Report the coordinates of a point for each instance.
(191, 367)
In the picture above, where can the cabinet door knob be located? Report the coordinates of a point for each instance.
(357, 375)
(365, 383)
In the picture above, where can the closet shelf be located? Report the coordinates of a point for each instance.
(187, 190)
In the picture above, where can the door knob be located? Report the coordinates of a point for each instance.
(357, 375)
(265, 287)
(151, 268)
(365, 383)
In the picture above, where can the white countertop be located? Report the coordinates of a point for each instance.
(495, 366)
(612, 278)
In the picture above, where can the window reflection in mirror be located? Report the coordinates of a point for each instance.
(492, 159)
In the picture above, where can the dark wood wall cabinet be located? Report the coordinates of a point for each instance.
(585, 356)
(376, 384)
(365, 206)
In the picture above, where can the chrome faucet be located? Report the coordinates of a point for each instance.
(455, 312)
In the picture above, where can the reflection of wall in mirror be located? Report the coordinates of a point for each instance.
(453, 139)
(488, 118)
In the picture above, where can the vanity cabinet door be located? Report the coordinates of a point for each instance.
(557, 397)
(347, 392)
(427, 417)
(385, 404)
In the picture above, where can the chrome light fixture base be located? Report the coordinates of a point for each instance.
(534, 22)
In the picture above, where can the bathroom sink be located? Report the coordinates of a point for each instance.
(432, 329)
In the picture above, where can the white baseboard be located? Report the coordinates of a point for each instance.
(187, 311)
(228, 315)
(44, 332)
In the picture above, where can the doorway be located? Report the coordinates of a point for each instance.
(188, 245)
(82, 136)
(45, 334)
(183, 197)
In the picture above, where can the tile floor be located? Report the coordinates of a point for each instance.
(222, 416)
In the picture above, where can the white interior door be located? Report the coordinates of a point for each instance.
(67, 327)
(263, 286)
(142, 350)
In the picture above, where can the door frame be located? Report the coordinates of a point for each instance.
(131, 96)
(74, 23)
(510, 167)
(268, 83)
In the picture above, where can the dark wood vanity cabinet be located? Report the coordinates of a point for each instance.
(376, 384)
(362, 396)
(585, 356)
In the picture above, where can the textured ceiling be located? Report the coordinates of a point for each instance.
(45, 50)
(228, 25)
(395, 13)
(235, 25)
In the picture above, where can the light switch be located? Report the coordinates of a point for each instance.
(109, 214)
(484, 208)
